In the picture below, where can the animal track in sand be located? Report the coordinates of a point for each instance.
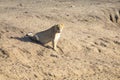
(3, 53)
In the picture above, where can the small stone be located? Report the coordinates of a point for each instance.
(72, 6)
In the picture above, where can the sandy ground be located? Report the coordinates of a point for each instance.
(89, 47)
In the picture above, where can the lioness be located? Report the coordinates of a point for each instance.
(51, 34)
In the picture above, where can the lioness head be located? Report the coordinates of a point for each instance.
(59, 28)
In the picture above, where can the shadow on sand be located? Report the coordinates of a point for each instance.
(27, 39)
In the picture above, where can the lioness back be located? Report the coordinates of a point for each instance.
(45, 36)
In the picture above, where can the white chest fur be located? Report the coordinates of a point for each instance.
(57, 36)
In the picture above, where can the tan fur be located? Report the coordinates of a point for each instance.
(50, 35)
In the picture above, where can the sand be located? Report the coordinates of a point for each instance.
(89, 47)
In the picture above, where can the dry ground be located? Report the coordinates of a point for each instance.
(89, 48)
